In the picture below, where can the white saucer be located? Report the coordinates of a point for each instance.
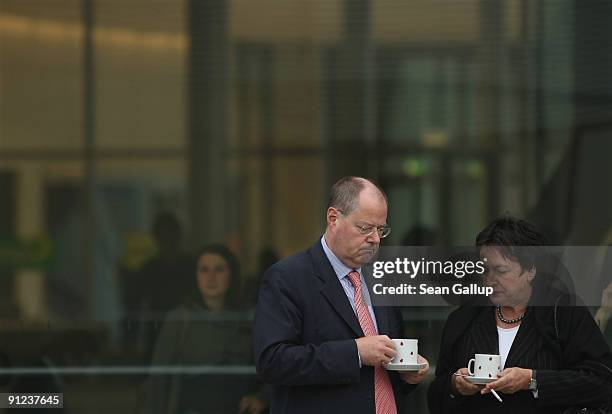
(405, 367)
(479, 380)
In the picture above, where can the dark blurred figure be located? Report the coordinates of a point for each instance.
(208, 328)
(421, 235)
(68, 348)
(267, 257)
(166, 278)
(162, 283)
(424, 241)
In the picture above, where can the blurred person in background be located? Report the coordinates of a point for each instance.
(208, 328)
(553, 357)
(165, 279)
(160, 285)
(267, 257)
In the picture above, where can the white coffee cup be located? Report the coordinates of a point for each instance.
(407, 351)
(485, 366)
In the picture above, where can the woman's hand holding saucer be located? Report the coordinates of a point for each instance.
(462, 386)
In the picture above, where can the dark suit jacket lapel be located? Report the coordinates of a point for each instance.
(332, 289)
(525, 339)
(484, 333)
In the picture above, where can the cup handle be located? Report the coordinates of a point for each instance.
(468, 367)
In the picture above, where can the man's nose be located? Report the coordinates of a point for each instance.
(374, 237)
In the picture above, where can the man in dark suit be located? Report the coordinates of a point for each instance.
(317, 338)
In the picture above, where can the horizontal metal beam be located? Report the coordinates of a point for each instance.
(133, 370)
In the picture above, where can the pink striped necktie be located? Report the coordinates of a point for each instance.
(383, 391)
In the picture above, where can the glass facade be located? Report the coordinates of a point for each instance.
(133, 132)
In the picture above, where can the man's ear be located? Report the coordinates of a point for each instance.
(332, 216)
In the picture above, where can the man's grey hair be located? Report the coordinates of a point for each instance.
(345, 193)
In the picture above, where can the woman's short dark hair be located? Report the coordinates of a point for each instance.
(233, 292)
(516, 239)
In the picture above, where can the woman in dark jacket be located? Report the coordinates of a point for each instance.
(553, 355)
(208, 329)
